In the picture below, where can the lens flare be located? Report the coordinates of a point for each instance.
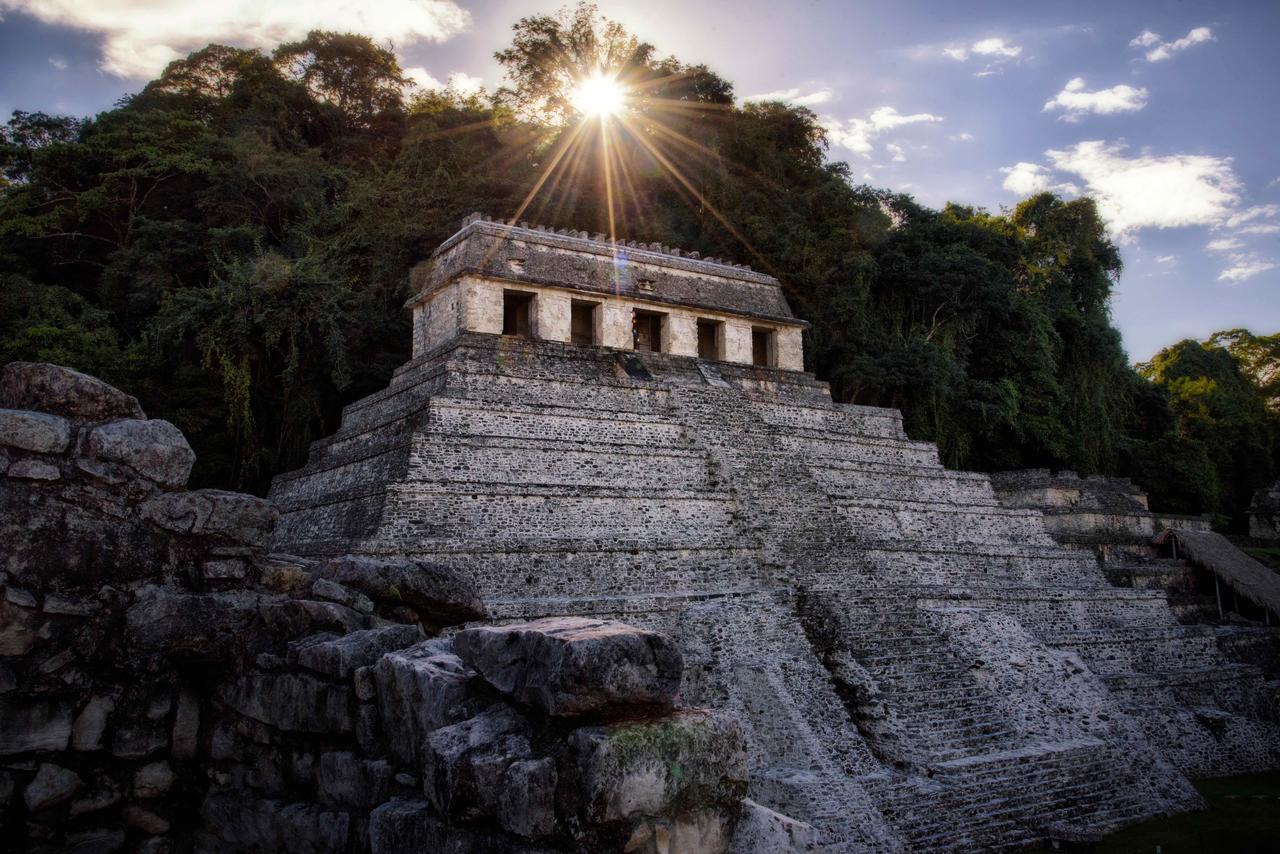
(598, 97)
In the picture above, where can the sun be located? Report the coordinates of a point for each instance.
(598, 96)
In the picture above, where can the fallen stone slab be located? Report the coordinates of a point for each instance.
(235, 516)
(464, 766)
(293, 702)
(43, 387)
(339, 656)
(420, 690)
(761, 829)
(37, 432)
(575, 665)
(155, 449)
(438, 594)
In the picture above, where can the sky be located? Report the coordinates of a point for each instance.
(1165, 112)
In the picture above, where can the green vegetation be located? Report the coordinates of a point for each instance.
(1241, 819)
(233, 245)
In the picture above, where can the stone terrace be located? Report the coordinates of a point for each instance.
(918, 667)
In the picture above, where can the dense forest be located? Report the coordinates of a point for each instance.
(233, 242)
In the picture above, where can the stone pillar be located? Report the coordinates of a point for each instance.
(481, 306)
(551, 321)
(790, 346)
(615, 325)
(682, 334)
(737, 341)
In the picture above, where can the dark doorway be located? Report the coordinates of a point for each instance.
(762, 347)
(647, 331)
(709, 336)
(582, 323)
(517, 313)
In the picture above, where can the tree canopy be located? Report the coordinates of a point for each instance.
(233, 244)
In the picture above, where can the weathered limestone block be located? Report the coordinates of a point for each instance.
(245, 824)
(338, 657)
(51, 786)
(155, 449)
(153, 780)
(761, 829)
(439, 595)
(422, 689)
(527, 800)
(205, 626)
(344, 779)
(238, 517)
(690, 761)
(293, 702)
(61, 391)
(37, 432)
(465, 765)
(31, 725)
(574, 665)
(91, 723)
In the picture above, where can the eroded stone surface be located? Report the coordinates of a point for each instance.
(155, 449)
(62, 391)
(572, 665)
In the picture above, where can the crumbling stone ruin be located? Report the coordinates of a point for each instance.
(1215, 713)
(166, 684)
(602, 569)
(917, 666)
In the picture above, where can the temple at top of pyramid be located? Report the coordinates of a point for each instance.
(917, 665)
(493, 277)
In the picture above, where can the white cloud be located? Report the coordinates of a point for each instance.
(899, 155)
(994, 47)
(1075, 101)
(1027, 179)
(458, 81)
(964, 136)
(58, 63)
(857, 135)
(420, 77)
(1223, 244)
(796, 96)
(1166, 259)
(1260, 229)
(1161, 50)
(1245, 267)
(1152, 191)
(1250, 214)
(465, 84)
(140, 37)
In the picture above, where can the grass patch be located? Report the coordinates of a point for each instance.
(1243, 818)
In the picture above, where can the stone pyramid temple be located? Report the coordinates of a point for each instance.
(627, 431)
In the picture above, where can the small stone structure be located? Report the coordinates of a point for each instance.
(166, 684)
(565, 286)
(917, 666)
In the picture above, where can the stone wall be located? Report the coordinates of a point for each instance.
(167, 684)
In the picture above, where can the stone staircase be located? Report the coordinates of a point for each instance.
(806, 554)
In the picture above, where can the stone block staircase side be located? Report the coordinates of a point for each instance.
(954, 747)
